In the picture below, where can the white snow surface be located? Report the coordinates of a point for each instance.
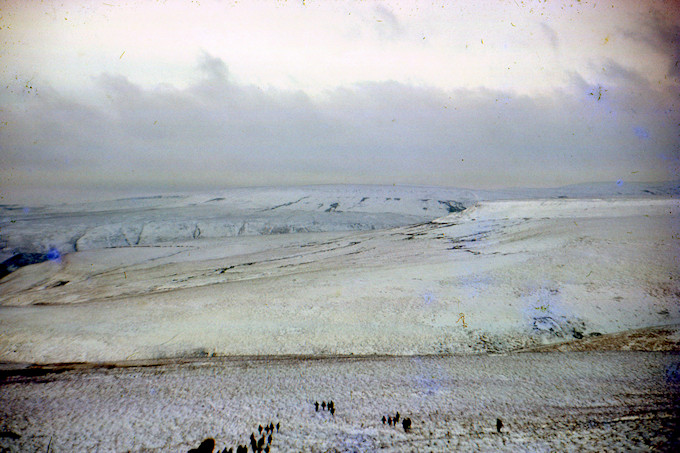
(236, 212)
(382, 272)
(615, 401)
(148, 220)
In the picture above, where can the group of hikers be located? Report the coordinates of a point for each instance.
(392, 421)
(324, 405)
(261, 444)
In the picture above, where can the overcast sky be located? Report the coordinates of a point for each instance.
(176, 95)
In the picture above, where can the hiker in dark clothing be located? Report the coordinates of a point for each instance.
(207, 446)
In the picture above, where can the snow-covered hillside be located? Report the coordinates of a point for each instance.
(498, 276)
(209, 318)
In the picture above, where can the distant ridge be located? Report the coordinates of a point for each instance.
(156, 219)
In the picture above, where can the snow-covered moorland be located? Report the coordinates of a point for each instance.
(328, 272)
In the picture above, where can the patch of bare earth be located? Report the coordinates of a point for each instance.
(658, 338)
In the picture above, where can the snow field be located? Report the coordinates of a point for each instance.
(549, 401)
(481, 280)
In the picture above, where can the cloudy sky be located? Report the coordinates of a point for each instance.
(184, 95)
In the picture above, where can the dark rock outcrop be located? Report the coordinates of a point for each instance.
(20, 260)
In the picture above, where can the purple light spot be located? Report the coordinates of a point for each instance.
(54, 255)
(428, 385)
(619, 182)
(27, 210)
(428, 298)
(641, 132)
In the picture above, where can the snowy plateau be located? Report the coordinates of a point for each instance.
(152, 323)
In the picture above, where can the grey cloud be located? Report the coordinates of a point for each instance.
(219, 133)
(668, 38)
(551, 35)
(662, 34)
(51, 130)
(213, 67)
(389, 26)
(625, 76)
